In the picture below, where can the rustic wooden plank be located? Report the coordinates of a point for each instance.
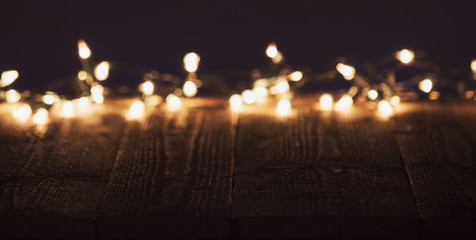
(62, 179)
(320, 175)
(437, 142)
(172, 177)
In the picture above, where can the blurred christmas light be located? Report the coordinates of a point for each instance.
(405, 56)
(173, 102)
(22, 113)
(8, 77)
(347, 71)
(425, 85)
(295, 76)
(235, 102)
(102, 71)
(83, 49)
(284, 107)
(372, 94)
(41, 116)
(191, 61)
(344, 103)
(136, 110)
(12, 96)
(248, 96)
(189, 89)
(326, 101)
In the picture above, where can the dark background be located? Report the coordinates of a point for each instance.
(39, 38)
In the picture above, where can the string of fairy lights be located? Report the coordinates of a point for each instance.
(279, 84)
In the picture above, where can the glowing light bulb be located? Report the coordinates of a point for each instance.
(173, 102)
(8, 77)
(191, 61)
(425, 85)
(83, 101)
(326, 101)
(147, 88)
(405, 56)
(284, 107)
(295, 76)
(346, 70)
(395, 100)
(82, 75)
(385, 109)
(97, 93)
(473, 66)
(67, 109)
(282, 86)
(48, 99)
(260, 92)
(248, 96)
(22, 113)
(12, 96)
(272, 50)
(372, 94)
(189, 89)
(235, 102)
(136, 110)
(41, 116)
(83, 49)
(344, 103)
(102, 71)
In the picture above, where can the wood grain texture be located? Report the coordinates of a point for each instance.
(437, 142)
(173, 175)
(321, 169)
(63, 176)
(204, 172)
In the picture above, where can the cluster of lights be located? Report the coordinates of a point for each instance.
(279, 87)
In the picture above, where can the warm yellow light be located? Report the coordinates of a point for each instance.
(260, 92)
(372, 94)
(83, 101)
(67, 109)
(97, 93)
(434, 95)
(326, 101)
(22, 113)
(83, 49)
(12, 96)
(395, 100)
(136, 111)
(191, 61)
(295, 76)
(405, 56)
(173, 102)
(473, 65)
(48, 99)
(248, 96)
(284, 107)
(425, 85)
(102, 71)
(189, 89)
(282, 86)
(82, 75)
(272, 50)
(346, 70)
(8, 77)
(41, 116)
(345, 102)
(384, 108)
(278, 58)
(235, 102)
(147, 88)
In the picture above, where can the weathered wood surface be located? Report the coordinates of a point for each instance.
(204, 172)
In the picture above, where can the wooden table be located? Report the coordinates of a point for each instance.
(204, 172)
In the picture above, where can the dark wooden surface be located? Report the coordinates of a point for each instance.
(204, 172)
